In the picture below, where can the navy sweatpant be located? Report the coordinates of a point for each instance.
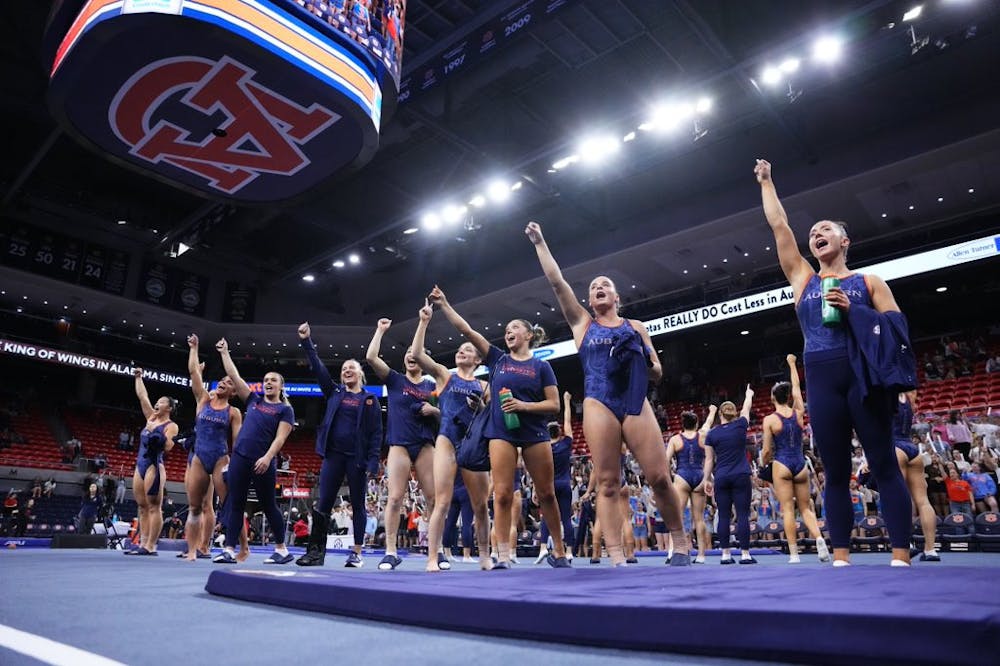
(241, 477)
(835, 408)
(336, 466)
(564, 495)
(460, 504)
(733, 491)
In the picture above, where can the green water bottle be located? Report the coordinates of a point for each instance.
(831, 315)
(432, 399)
(510, 419)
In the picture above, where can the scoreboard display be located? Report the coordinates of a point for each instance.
(57, 256)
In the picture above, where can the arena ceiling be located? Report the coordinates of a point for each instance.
(901, 142)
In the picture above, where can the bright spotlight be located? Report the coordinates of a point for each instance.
(478, 201)
(354, 259)
(516, 186)
(499, 191)
(308, 277)
(789, 65)
(596, 149)
(704, 105)
(827, 49)
(564, 162)
(410, 230)
(430, 221)
(665, 118)
(629, 137)
(453, 213)
(913, 14)
(771, 76)
(339, 263)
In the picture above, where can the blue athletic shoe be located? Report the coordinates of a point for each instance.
(354, 561)
(727, 560)
(748, 560)
(389, 563)
(500, 565)
(632, 560)
(278, 558)
(225, 557)
(557, 562)
(444, 564)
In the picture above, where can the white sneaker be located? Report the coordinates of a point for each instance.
(821, 550)
(542, 554)
(794, 559)
(469, 559)
(899, 563)
(513, 559)
(841, 563)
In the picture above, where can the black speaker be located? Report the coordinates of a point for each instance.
(79, 541)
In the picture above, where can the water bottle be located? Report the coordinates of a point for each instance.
(510, 419)
(831, 315)
(432, 400)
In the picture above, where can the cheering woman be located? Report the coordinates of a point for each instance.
(790, 475)
(618, 362)
(150, 475)
(412, 427)
(458, 396)
(841, 398)
(525, 394)
(349, 440)
(688, 448)
(216, 424)
(269, 422)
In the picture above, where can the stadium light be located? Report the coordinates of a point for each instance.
(827, 49)
(771, 76)
(498, 191)
(430, 221)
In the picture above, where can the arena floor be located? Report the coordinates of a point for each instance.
(102, 608)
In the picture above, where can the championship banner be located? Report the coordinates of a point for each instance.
(479, 44)
(43, 252)
(239, 303)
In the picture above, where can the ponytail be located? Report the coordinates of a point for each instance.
(538, 334)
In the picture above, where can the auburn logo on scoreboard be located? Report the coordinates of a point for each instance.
(261, 131)
(194, 99)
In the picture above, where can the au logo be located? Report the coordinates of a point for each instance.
(262, 132)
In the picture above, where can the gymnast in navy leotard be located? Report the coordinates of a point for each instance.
(838, 400)
(411, 432)
(911, 464)
(783, 450)
(534, 397)
(217, 423)
(150, 475)
(618, 362)
(687, 448)
(459, 395)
